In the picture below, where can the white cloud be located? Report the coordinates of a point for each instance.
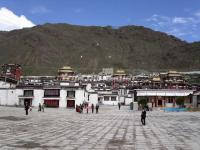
(158, 18)
(179, 20)
(39, 10)
(182, 27)
(10, 21)
(177, 32)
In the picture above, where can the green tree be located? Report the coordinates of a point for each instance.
(143, 102)
(180, 101)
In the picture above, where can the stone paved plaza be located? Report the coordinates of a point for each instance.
(110, 129)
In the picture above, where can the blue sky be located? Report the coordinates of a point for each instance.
(177, 17)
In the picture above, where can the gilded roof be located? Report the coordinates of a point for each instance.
(120, 72)
(65, 69)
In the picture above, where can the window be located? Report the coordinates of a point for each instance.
(71, 94)
(113, 98)
(52, 93)
(106, 98)
(28, 93)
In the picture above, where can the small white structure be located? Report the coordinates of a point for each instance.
(109, 99)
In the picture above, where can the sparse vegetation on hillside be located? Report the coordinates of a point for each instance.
(41, 50)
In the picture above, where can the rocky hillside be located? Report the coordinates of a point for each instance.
(41, 50)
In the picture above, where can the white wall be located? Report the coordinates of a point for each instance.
(63, 99)
(168, 104)
(3, 97)
(4, 84)
(121, 99)
(111, 102)
(8, 97)
(194, 101)
(163, 92)
(128, 100)
(93, 98)
(38, 95)
(19, 92)
(11, 97)
(79, 96)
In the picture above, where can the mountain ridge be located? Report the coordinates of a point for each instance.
(41, 50)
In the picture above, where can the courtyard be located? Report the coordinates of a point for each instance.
(110, 129)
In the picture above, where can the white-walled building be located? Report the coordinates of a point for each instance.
(65, 96)
(165, 97)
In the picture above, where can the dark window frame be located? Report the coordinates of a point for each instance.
(28, 92)
(106, 99)
(113, 99)
(72, 95)
(52, 93)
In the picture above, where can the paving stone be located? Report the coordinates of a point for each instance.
(110, 129)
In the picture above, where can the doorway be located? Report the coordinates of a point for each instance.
(70, 103)
(28, 100)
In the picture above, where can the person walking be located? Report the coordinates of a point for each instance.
(87, 107)
(43, 105)
(26, 106)
(143, 116)
(39, 107)
(30, 108)
(92, 108)
(119, 105)
(97, 108)
(81, 108)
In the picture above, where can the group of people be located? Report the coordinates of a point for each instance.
(80, 108)
(28, 107)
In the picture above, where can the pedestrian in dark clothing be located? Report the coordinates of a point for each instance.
(39, 107)
(77, 108)
(119, 105)
(87, 107)
(92, 108)
(81, 108)
(143, 116)
(97, 108)
(26, 106)
(30, 107)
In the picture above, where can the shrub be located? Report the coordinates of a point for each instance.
(143, 102)
(180, 101)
